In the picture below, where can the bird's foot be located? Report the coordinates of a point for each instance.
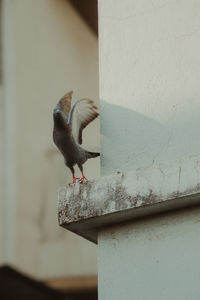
(74, 180)
(81, 180)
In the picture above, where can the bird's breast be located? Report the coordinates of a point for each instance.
(65, 144)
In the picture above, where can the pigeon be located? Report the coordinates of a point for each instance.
(67, 133)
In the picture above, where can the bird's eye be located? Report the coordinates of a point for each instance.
(56, 112)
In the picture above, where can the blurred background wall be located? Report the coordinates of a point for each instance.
(47, 49)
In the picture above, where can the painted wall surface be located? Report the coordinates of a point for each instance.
(2, 236)
(149, 82)
(48, 50)
(150, 259)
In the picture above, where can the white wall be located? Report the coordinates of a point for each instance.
(53, 51)
(149, 82)
(150, 259)
(150, 107)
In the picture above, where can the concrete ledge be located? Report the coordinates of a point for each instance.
(85, 208)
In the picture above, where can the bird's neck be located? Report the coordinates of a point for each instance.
(59, 123)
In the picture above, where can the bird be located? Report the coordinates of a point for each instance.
(69, 123)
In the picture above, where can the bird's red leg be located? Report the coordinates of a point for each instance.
(83, 178)
(73, 176)
(74, 179)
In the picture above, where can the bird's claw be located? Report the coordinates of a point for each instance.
(74, 180)
(82, 179)
(70, 183)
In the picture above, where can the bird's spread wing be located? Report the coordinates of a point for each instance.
(65, 104)
(83, 112)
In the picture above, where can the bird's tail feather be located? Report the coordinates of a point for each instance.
(92, 154)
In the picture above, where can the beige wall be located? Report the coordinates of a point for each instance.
(53, 52)
(2, 252)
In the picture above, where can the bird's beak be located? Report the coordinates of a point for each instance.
(56, 111)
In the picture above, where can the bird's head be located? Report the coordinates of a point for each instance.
(56, 112)
(59, 118)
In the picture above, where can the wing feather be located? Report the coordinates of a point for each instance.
(83, 112)
(65, 104)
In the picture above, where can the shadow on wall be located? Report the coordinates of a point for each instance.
(131, 140)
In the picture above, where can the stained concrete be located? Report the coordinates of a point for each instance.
(84, 208)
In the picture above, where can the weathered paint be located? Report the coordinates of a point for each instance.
(121, 197)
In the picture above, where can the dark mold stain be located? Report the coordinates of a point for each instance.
(80, 207)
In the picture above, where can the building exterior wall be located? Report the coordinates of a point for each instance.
(150, 106)
(48, 50)
(149, 82)
(1, 155)
(152, 259)
(2, 252)
(8, 127)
